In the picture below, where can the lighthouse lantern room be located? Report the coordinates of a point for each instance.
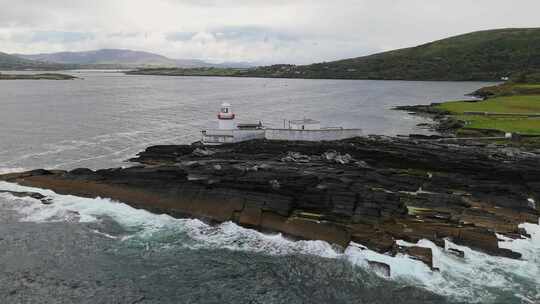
(226, 117)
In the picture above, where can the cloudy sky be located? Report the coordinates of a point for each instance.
(263, 31)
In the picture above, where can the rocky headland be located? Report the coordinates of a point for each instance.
(371, 190)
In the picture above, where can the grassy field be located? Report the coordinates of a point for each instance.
(522, 125)
(523, 104)
(507, 104)
(528, 86)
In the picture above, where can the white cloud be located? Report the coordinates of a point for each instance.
(294, 31)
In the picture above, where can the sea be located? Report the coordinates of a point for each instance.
(81, 250)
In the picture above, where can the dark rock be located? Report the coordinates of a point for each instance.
(422, 136)
(38, 172)
(456, 252)
(296, 157)
(524, 233)
(418, 253)
(81, 171)
(200, 152)
(380, 268)
(38, 196)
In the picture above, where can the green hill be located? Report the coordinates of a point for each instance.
(9, 62)
(485, 55)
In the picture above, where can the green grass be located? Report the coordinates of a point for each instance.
(527, 86)
(509, 104)
(10, 62)
(506, 104)
(223, 72)
(522, 125)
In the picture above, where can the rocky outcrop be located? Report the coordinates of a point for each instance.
(38, 196)
(443, 123)
(372, 191)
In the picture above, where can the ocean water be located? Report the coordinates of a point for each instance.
(80, 250)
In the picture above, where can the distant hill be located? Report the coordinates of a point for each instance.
(119, 58)
(104, 57)
(9, 62)
(485, 55)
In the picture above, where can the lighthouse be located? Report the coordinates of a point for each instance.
(226, 117)
(299, 130)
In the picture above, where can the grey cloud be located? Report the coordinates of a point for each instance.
(294, 31)
(125, 35)
(240, 34)
(238, 3)
(253, 33)
(180, 36)
(52, 37)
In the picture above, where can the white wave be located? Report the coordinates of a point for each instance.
(528, 247)
(104, 234)
(477, 277)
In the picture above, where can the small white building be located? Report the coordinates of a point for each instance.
(305, 124)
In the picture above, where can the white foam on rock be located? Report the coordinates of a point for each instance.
(477, 277)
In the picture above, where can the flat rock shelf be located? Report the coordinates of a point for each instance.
(369, 190)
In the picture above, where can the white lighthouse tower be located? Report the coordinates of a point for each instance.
(226, 117)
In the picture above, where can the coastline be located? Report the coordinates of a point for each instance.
(373, 191)
(41, 76)
(499, 110)
(244, 73)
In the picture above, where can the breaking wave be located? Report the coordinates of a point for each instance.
(476, 277)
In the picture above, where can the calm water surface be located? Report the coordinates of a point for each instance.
(106, 117)
(97, 251)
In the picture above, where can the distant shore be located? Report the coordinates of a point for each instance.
(42, 76)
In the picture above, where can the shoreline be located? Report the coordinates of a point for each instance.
(163, 72)
(41, 76)
(372, 191)
(500, 109)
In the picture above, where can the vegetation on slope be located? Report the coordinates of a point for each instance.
(44, 76)
(9, 62)
(217, 72)
(486, 55)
